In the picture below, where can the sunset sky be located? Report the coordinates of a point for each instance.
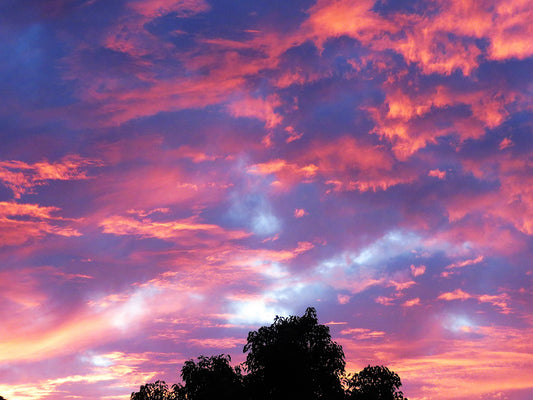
(175, 173)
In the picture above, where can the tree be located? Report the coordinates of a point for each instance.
(294, 358)
(210, 378)
(154, 391)
(375, 383)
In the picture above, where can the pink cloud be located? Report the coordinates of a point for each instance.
(386, 301)
(22, 177)
(513, 202)
(400, 286)
(343, 299)
(501, 301)
(333, 19)
(426, 42)
(437, 173)
(218, 343)
(257, 108)
(362, 333)
(505, 143)
(170, 230)
(417, 271)
(300, 212)
(22, 222)
(408, 119)
(513, 33)
(412, 302)
(457, 294)
(346, 164)
(158, 8)
(465, 263)
(292, 134)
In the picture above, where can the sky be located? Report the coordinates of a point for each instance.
(176, 173)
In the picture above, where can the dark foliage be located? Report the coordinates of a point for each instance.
(154, 391)
(210, 378)
(375, 383)
(294, 358)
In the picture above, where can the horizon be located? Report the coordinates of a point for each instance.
(174, 174)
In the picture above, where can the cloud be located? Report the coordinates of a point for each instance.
(363, 334)
(343, 299)
(344, 163)
(440, 44)
(157, 8)
(218, 343)
(170, 230)
(22, 177)
(417, 271)
(257, 108)
(437, 173)
(457, 294)
(412, 302)
(300, 212)
(22, 222)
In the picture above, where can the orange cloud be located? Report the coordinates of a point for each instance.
(117, 369)
(496, 362)
(285, 172)
(500, 301)
(21, 222)
(440, 44)
(386, 301)
(417, 271)
(411, 121)
(158, 8)
(512, 33)
(300, 212)
(346, 164)
(22, 177)
(257, 108)
(218, 343)
(513, 201)
(170, 230)
(479, 367)
(457, 294)
(292, 134)
(437, 173)
(400, 286)
(412, 302)
(505, 143)
(465, 263)
(347, 17)
(362, 333)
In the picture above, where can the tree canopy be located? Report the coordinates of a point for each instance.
(158, 390)
(210, 378)
(294, 358)
(375, 383)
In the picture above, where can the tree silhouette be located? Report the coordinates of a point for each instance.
(294, 358)
(375, 383)
(210, 378)
(154, 391)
